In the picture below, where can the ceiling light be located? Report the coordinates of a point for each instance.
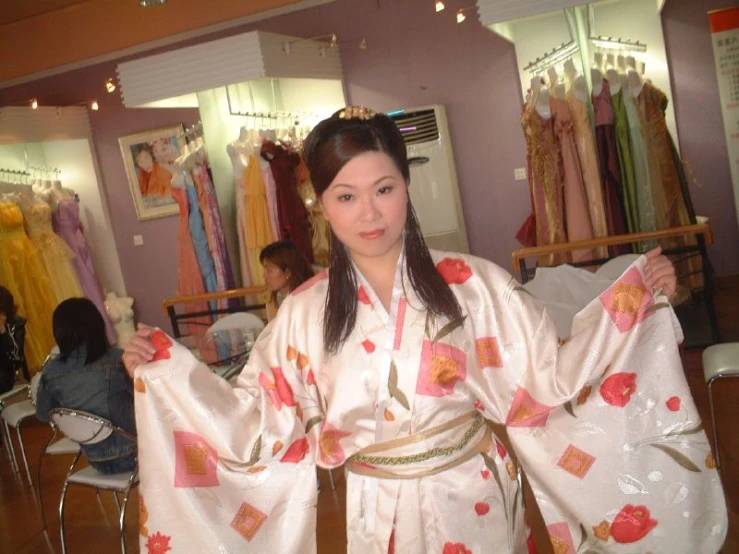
(460, 16)
(94, 106)
(439, 5)
(34, 104)
(110, 85)
(151, 3)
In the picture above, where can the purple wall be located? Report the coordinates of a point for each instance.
(415, 57)
(699, 121)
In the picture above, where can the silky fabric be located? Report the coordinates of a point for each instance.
(546, 182)
(610, 170)
(247, 272)
(626, 162)
(270, 189)
(214, 231)
(200, 238)
(55, 253)
(585, 142)
(666, 182)
(577, 215)
(66, 221)
(233, 470)
(258, 228)
(647, 216)
(24, 274)
(293, 215)
(189, 278)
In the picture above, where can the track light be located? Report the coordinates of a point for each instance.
(110, 85)
(94, 106)
(439, 5)
(460, 16)
(34, 104)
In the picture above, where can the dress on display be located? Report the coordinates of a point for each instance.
(597, 421)
(247, 272)
(55, 253)
(24, 274)
(586, 150)
(200, 238)
(626, 161)
(294, 224)
(66, 219)
(258, 228)
(271, 189)
(546, 182)
(189, 278)
(577, 215)
(610, 170)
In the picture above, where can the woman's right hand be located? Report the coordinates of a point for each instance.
(139, 349)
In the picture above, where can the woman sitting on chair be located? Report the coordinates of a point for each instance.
(88, 375)
(285, 269)
(12, 340)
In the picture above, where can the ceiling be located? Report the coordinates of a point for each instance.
(39, 38)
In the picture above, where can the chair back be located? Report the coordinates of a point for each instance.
(82, 427)
(238, 321)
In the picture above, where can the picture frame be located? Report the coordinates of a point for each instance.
(149, 157)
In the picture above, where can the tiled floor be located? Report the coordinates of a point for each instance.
(92, 525)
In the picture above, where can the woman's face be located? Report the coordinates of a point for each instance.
(275, 278)
(163, 151)
(366, 206)
(145, 161)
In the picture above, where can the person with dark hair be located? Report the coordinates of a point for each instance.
(88, 375)
(390, 363)
(12, 342)
(285, 269)
(155, 179)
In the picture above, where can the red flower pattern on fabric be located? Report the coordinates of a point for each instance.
(162, 343)
(456, 548)
(363, 296)
(502, 452)
(455, 271)
(673, 403)
(618, 389)
(482, 508)
(632, 524)
(283, 387)
(271, 389)
(531, 544)
(297, 451)
(329, 444)
(368, 345)
(486, 474)
(158, 543)
(311, 379)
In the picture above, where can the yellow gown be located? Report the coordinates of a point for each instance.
(258, 228)
(24, 274)
(55, 253)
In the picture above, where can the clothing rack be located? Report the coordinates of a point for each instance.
(44, 169)
(21, 174)
(190, 130)
(619, 44)
(558, 55)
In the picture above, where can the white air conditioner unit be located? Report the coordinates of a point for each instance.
(434, 189)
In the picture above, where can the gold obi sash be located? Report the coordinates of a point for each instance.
(426, 453)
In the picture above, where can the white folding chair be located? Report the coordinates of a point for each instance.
(239, 320)
(14, 416)
(85, 429)
(56, 446)
(7, 440)
(720, 361)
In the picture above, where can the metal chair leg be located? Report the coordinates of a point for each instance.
(61, 518)
(122, 521)
(11, 448)
(23, 452)
(713, 422)
(117, 501)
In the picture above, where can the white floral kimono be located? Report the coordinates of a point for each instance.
(603, 425)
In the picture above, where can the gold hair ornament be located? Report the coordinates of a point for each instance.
(357, 112)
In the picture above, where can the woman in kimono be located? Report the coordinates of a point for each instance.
(389, 363)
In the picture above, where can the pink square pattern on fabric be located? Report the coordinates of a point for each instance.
(442, 365)
(248, 520)
(559, 534)
(196, 463)
(576, 462)
(527, 412)
(627, 300)
(488, 352)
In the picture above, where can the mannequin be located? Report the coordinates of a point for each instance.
(120, 311)
(635, 83)
(570, 71)
(57, 193)
(597, 78)
(542, 103)
(621, 63)
(630, 62)
(239, 151)
(536, 82)
(610, 61)
(598, 57)
(614, 81)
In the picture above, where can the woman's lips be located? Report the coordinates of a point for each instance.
(374, 234)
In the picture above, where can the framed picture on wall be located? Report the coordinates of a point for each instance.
(149, 157)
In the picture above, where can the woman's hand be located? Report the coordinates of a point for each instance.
(139, 349)
(660, 273)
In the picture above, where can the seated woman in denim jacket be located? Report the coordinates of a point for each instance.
(88, 375)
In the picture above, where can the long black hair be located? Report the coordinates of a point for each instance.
(285, 255)
(327, 149)
(78, 323)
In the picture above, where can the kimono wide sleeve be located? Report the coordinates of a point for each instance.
(225, 469)
(603, 423)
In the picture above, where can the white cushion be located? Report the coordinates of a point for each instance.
(14, 413)
(721, 359)
(92, 477)
(62, 446)
(12, 392)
